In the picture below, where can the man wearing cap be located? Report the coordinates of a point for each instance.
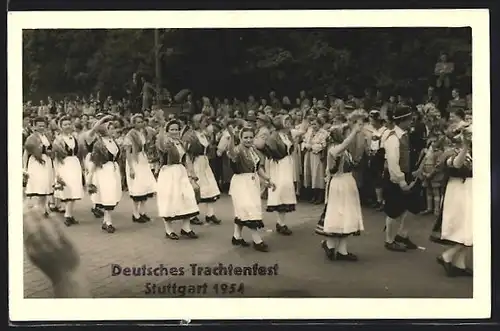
(374, 132)
(397, 186)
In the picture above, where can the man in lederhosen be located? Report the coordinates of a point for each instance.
(397, 186)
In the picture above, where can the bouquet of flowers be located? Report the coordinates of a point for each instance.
(60, 184)
(92, 188)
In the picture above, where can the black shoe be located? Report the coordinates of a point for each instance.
(145, 217)
(172, 236)
(261, 247)
(283, 229)
(380, 207)
(138, 219)
(46, 214)
(212, 219)
(395, 247)
(108, 228)
(73, 221)
(330, 252)
(239, 242)
(67, 221)
(195, 221)
(406, 242)
(190, 234)
(97, 212)
(346, 257)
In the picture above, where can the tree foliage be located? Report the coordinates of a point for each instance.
(236, 62)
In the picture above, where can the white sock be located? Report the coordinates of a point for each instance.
(68, 210)
(342, 248)
(237, 231)
(210, 209)
(107, 217)
(135, 209)
(168, 227)
(140, 204)
(331, 243)
(403, 231)
(281, 219)
(460, 258)
(186, 226)
(450, 254)
(255, 236)
(389, 229)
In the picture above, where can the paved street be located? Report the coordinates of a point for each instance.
(303, 270)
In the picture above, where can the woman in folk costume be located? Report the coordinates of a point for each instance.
(104, 174)
(245, 188)
(140, 180)
(222, 146)
(279, 148)
(176, 199)
(262, 133)
(197, 146)
(457, 209)
(68, 169)
(297, 153)
(38, 169)
(315, 146)
(343, 215)
(306, 151)
(90, 137)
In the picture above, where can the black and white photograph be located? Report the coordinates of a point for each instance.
(248, 161)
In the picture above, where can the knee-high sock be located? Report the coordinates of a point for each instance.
(107, 217)
(186, 226)
(460, 256)
(332, 243)
(168, 227)
(210, 209)
(237, 231)
(342, 248)
(390, 229)
(68, 210)
(140, 204)
(256, 236)
(281, 219)
(403, 230)
(430, 199)
(135, 209)
(450, 253)
(201, 205)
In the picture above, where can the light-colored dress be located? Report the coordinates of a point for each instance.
(69, 169)
(143, 185)
(343, 214)
(209, 190)
(40, 175)
(175, 195)
(245, 188)
(281, 172)
(457, 207)
(107, 177)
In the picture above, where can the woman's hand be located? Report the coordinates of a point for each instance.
(48, 247)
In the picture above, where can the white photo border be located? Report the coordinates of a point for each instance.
(479, 306)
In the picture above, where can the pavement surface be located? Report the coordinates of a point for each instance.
(302, 268)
